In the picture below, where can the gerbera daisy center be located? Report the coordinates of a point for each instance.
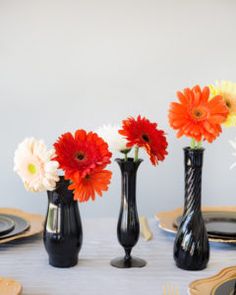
(80, 156)
(145, 138)
(199, 113)
(228, 104)
(32, 168)
(231, 104)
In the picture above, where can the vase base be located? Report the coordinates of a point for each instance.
(193, 268)
(63, 262)
(121, 262)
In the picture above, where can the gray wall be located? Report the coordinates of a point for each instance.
(78, 64)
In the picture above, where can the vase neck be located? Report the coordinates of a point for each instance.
(128, 180)
(193, 179)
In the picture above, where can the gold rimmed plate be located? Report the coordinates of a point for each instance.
(220, 222)
(10, 287)
(223, 283)
(20, 225)
(6, 225)
(33, 224)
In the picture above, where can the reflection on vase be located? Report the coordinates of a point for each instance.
(63, 228)
(191, 247)
(128, 222)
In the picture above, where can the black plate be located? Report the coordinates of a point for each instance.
(218, 224)
(226, 288)
(6, 225)
(21, 225)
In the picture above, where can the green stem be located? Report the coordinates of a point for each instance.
(193, 143)
(136, 149)
(125, 152)
(199, 144)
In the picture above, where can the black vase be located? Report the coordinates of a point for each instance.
(63, 229)
(191, 247)
(128, 222)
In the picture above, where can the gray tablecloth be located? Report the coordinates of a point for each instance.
(27, 261)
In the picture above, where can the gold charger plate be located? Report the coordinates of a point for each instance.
(208, 286)
(167, 219)
(10, 287)
(36, 224)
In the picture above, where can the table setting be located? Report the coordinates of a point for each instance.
(187, 250)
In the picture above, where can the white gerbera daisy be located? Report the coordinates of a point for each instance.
(111, 135)
(33, 163)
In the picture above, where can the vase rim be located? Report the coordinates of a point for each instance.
(129, 159)
(60, 182)
(197, 150)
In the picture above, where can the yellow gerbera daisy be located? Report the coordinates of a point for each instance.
(227, 90)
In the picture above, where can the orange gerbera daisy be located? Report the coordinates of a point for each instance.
(196, 115)
(94, 182)
(142, 133)
(81, 153)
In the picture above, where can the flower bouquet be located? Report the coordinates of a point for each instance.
(134, 134)
(198, 115)
(82, 159)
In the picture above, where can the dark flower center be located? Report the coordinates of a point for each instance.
(200, 113)
(197, 113)
(80, 156)
(145, 137)
(228, 104)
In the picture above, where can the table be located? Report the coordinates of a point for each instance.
(27, 261)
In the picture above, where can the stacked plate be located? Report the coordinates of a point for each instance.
(219, 225)
(17, 224)
(12, 225)
(220, 222)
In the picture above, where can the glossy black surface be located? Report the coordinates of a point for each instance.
(128, 221)
(191, 247)
(63, 228)
(218, 223)
(20, 226)
(6, 225)
(226, 288)
(120, 262)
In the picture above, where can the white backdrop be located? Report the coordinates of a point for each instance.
(81, 63)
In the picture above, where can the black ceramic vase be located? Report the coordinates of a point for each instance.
(191, 247)
(128, 222)
(63, 229)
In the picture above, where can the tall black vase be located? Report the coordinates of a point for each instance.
(128, 222)
(191, 247)
(63, 229)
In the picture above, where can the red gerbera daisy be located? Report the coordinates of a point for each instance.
(142, 133)
(80, 153)
(94, 182)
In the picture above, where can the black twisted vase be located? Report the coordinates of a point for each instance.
(191, 247)
(128, 221)
(63, 228)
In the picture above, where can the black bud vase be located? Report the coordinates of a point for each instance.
(191, 247)
(128, 222)
(63, 229)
